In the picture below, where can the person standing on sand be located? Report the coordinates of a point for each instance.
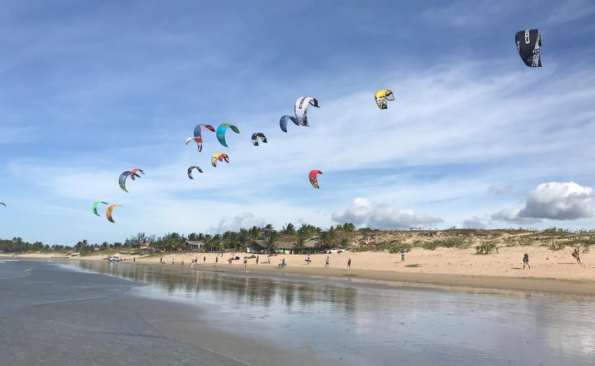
(282, 263)
(576, 256)
(204, 258)
(256, 259)
(161, 260)
(526, 261)
(349, 264)
(327, 262)
(172, 261)
(402, 256)
(216, 259)
(134, 260)
(245, 263)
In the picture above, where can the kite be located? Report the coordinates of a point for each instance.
(314, 178)
(108, 213)
(95, 207)
(528, 43)
(2, 203)
(255, 137)
(301, 109)
(198, 135)
(283, 122)
(122, 179)
(190, 171)
(220, 157)
(382, 96)
(134, 173)
(221, 132)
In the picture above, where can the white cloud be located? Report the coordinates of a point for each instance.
(474, 223)
(499, 189)
(242, 221)
(381, 216)
(512, 216)
(559, 201)
(553, 201)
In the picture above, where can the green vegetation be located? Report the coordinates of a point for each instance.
(488, 247)
(336, 236)
(391, 247)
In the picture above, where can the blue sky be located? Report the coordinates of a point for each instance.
(92, 89)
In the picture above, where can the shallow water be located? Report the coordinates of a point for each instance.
(262, 320)
(364, 324)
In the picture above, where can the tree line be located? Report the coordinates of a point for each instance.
(229, 240)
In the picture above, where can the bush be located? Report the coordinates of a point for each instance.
(398, 248)
(487, 248)
(557, 245)
(460, 243)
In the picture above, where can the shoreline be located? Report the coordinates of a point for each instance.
(464, 283)
(452, 282)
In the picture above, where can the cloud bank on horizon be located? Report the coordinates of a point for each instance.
(473, 138)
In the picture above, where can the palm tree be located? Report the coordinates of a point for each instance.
(344, 243)
(289, 229)
(299, 245)
(271, 241)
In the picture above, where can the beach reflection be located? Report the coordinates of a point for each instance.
(376, 324)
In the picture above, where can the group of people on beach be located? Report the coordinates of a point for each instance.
(308, 260)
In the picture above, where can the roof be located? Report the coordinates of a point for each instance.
(197, 243)
(310, 243)
(285, 244)
(279, 244)
(260, 243)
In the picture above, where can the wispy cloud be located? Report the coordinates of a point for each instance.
(469, 13)
(499, 189)
(571, 10)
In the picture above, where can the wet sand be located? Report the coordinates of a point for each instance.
(98, 313)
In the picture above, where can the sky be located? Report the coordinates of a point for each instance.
(474, 138)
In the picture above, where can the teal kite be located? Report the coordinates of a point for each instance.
(221, 132)
(97, 204)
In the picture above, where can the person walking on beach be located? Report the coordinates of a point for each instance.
(245, 263)
(134, 260)
(308, 260)
(576, 256)
(349, 264)
(204, 259)
(172, 261)
(161, 260)
(526, 261)
(257, 260)
(327, 262)
(402, 256)
(216, 259)
(269, 259)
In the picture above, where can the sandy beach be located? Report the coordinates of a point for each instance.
(551, 271)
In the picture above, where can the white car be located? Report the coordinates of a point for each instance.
(114, 259)
(335, 250)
